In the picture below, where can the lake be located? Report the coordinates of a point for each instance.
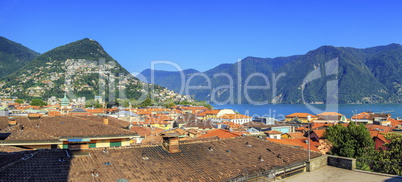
(278, 111)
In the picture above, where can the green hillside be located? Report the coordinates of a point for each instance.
(13, 56)
(81, 68)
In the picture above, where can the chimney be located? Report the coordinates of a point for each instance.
(12, 121)
(171, 143)
(106, 121)
(173, 146)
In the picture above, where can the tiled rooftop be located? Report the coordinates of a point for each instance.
(112, 121)
(52, 128)
(215, 160)
(373, 127)
(296, 134)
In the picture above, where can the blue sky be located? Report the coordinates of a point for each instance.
(200, 34)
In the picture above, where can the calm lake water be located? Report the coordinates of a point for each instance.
(280, 110)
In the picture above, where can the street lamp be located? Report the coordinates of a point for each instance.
(355, 115)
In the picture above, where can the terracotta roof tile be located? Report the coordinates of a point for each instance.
(379, 135)
(329, 114)
(300, 115)
(221, 133)
(373, 127)
(319, 133)
(231, 124)
(296, 135)
(216, 160)
(52, 128)
(273, 132)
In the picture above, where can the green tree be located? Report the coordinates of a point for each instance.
(38, 102)
(93, 103)
(169, 104)
(146, 102)
(352, 141)
(19, 101)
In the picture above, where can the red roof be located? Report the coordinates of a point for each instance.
(319, 133)
(273, 132)
(384, 129)
(296, 135)
(209, 112)
(221, 133)
(231, 124)
(379, 135)
(395, 122)
(329, 114)
(315, 126)
(300, 115)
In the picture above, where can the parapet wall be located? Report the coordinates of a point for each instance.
(342, 162)
(317, 162)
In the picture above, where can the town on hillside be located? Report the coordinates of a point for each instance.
(157, 143)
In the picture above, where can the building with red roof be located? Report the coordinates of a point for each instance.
(379, 140)
(236, 118)
(300, 117)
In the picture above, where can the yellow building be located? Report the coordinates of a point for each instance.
(300, 117)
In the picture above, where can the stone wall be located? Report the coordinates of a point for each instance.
(342, 162)
(316, 163)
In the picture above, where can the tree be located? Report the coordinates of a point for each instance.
(93, 103)
(169, 104)
(351, 141)
(146, 102)
(19, 101)
(38, 102)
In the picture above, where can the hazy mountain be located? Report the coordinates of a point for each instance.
(171, 78)
(13, 56)
(371, 75)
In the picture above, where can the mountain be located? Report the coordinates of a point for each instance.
(81, 68)
(371, 75)
(13, 56)
(171, 78)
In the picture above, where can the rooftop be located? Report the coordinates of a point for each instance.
(54, 128)
(215, 160)
(300, 115)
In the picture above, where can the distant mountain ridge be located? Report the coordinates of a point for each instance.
(370, 75)
(13, 56)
